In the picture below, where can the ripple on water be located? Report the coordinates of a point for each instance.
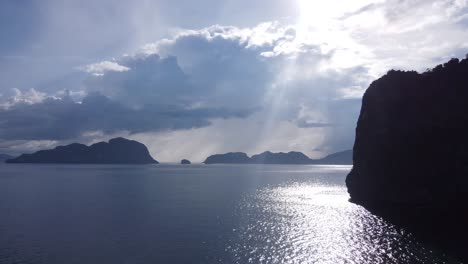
(309, 223)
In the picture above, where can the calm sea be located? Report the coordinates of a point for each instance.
(192, 214)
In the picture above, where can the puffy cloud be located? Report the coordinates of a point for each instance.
(30, 96)
(226, 67)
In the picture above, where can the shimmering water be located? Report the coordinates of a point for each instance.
(193, 214)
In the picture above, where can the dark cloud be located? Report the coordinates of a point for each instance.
(222, 69)
(61, 119)
(149, 80)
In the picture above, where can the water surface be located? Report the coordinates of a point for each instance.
(192, 214)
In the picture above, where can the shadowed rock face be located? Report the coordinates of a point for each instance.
(411, 139)
(411, 150)
(117, 151)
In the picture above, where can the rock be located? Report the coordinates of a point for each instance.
(185, 162)
(411, 152)
(117, 151)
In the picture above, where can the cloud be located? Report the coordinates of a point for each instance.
(310, 124)
(18, 147)
(226, 67)
(149, 80)
(408, 35)
(65, 34)
(98, 69)
(64, 119)
(31, 96)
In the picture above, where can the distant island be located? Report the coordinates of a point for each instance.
(411, 153)
(267, 157)
(185, 162)
(116, 151)
(4, 157)
(228, 158)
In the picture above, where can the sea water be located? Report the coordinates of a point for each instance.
(193, 214)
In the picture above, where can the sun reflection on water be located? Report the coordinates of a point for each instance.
(307, 223)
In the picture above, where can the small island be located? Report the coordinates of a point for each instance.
(116, 151)
(185, 162)
(292, 157)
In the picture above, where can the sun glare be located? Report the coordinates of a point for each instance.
(327, 24)
(313, 13)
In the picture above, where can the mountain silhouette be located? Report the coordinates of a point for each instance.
(116, 151)
(411, 152)
(268, 157)
(338, 158)
(228, 158)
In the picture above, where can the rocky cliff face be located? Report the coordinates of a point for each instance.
(411, 139)
(411, 151)
(117, 151)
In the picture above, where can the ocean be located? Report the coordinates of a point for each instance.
(60, 214)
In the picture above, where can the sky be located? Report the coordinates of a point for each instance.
(193, 78)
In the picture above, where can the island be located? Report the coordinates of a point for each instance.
(185, 162)
(338, 158)
(116, 151)
(411, 153)
(228, 158)
(268, 157)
